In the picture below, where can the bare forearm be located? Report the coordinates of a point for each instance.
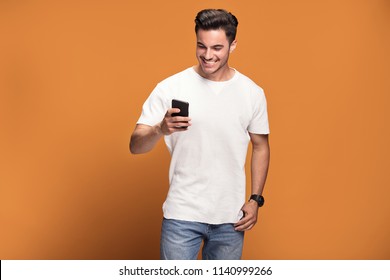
(259, 167)
(259, 170)
(144, 138)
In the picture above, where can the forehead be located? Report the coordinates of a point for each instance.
(212, 37)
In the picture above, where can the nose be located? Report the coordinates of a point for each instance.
(208, 54)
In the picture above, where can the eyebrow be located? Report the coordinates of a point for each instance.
(214, 46)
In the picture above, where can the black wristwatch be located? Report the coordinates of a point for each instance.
(258, 198)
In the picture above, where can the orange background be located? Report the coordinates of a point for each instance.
(73, 78)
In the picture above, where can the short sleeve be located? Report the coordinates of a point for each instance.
(259, 121)
(154, 108)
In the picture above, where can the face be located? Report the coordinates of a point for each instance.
(212, 52)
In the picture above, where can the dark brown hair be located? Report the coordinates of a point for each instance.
(211, 19)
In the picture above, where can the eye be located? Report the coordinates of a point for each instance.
(217, 47)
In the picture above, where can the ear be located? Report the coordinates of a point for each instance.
(233, 46)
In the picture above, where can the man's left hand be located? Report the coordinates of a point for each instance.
(250, 210)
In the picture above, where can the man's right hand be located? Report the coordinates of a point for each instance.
(145, 137)
(171, 124)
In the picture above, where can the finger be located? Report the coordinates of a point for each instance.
(242, 224)
(242, 221)
(180, 129)
(246, 222)
(244, 227)
(181, 124)
(241, 228)
(180, 119)
(171, 111)
(249, 227)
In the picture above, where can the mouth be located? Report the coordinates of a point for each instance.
(209, 63)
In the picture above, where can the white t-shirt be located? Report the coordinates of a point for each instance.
(207, 170)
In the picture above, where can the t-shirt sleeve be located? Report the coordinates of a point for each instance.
(154, 108)
(259, 122)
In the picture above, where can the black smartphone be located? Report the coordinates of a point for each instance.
(182, 105)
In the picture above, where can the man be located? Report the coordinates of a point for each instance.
(206, 199)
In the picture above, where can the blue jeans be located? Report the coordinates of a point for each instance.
(181, 240)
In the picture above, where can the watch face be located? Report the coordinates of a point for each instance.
(259, 199)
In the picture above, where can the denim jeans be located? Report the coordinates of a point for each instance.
(181, 240)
